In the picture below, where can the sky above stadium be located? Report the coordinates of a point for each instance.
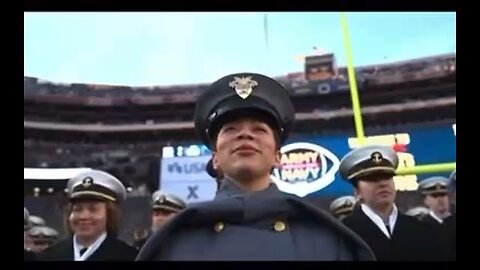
(142, 49)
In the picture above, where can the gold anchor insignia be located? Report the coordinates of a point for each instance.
(161, 199)
(243, 86)
(87, 182)
(377, 157)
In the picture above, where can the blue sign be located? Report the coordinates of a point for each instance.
(414, 145)
(309, 164)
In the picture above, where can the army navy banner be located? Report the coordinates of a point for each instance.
(309, 164)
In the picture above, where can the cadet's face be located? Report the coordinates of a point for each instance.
(246, 146)
(376, 190)
(160, 217)
(88, 219)
(438, 203)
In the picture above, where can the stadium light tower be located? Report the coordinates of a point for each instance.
(419, 169)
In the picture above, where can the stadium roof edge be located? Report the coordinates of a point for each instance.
(102, 85)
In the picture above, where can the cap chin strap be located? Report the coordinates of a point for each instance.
(80, 194)
(370, 171)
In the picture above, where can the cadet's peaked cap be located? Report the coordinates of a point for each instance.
(243, 94)
(368, 160)
(167, 201)
(432, 185)
(26, 219)
(97, 185)
(342, 205)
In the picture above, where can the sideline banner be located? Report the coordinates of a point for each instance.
(309, 164)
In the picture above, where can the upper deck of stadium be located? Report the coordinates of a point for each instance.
(420, 69)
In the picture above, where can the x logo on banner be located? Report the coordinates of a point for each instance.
(192, 194)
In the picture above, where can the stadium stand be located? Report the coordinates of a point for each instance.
(122, 129)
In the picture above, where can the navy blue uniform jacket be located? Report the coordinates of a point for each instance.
(412, 240)
(112, 249)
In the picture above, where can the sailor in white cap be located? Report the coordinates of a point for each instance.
(342, 206)
(164, 207)
(418, 212)
(434, 191)
(391, 234)
(42, 237)
(435, 196)
(28, 255)
(93, 218)
(37, 221)
(33, 221)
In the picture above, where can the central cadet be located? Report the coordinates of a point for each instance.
(244, 119)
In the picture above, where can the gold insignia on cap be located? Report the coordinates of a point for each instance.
(86, 182)
(377, 157)
(243, 86)
(279, 226)
(161, 199)
(219, 227)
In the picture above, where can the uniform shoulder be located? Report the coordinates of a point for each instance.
(412, 222)
(121, 244)
(140, 242)
(53, 250)
(450, 219)
(128, 248)
(351, 219)
(409, 219)
(357, 244)
(128, 252)
(450, 223)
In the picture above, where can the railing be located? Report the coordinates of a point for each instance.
(322, 115)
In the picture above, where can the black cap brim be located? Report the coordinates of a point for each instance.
(166, 208)
(248, 92)
(91, 196)
(233, 109)
(361, 175)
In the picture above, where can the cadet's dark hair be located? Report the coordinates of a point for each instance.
(114, 216)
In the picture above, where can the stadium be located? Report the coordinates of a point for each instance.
(144, 135)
